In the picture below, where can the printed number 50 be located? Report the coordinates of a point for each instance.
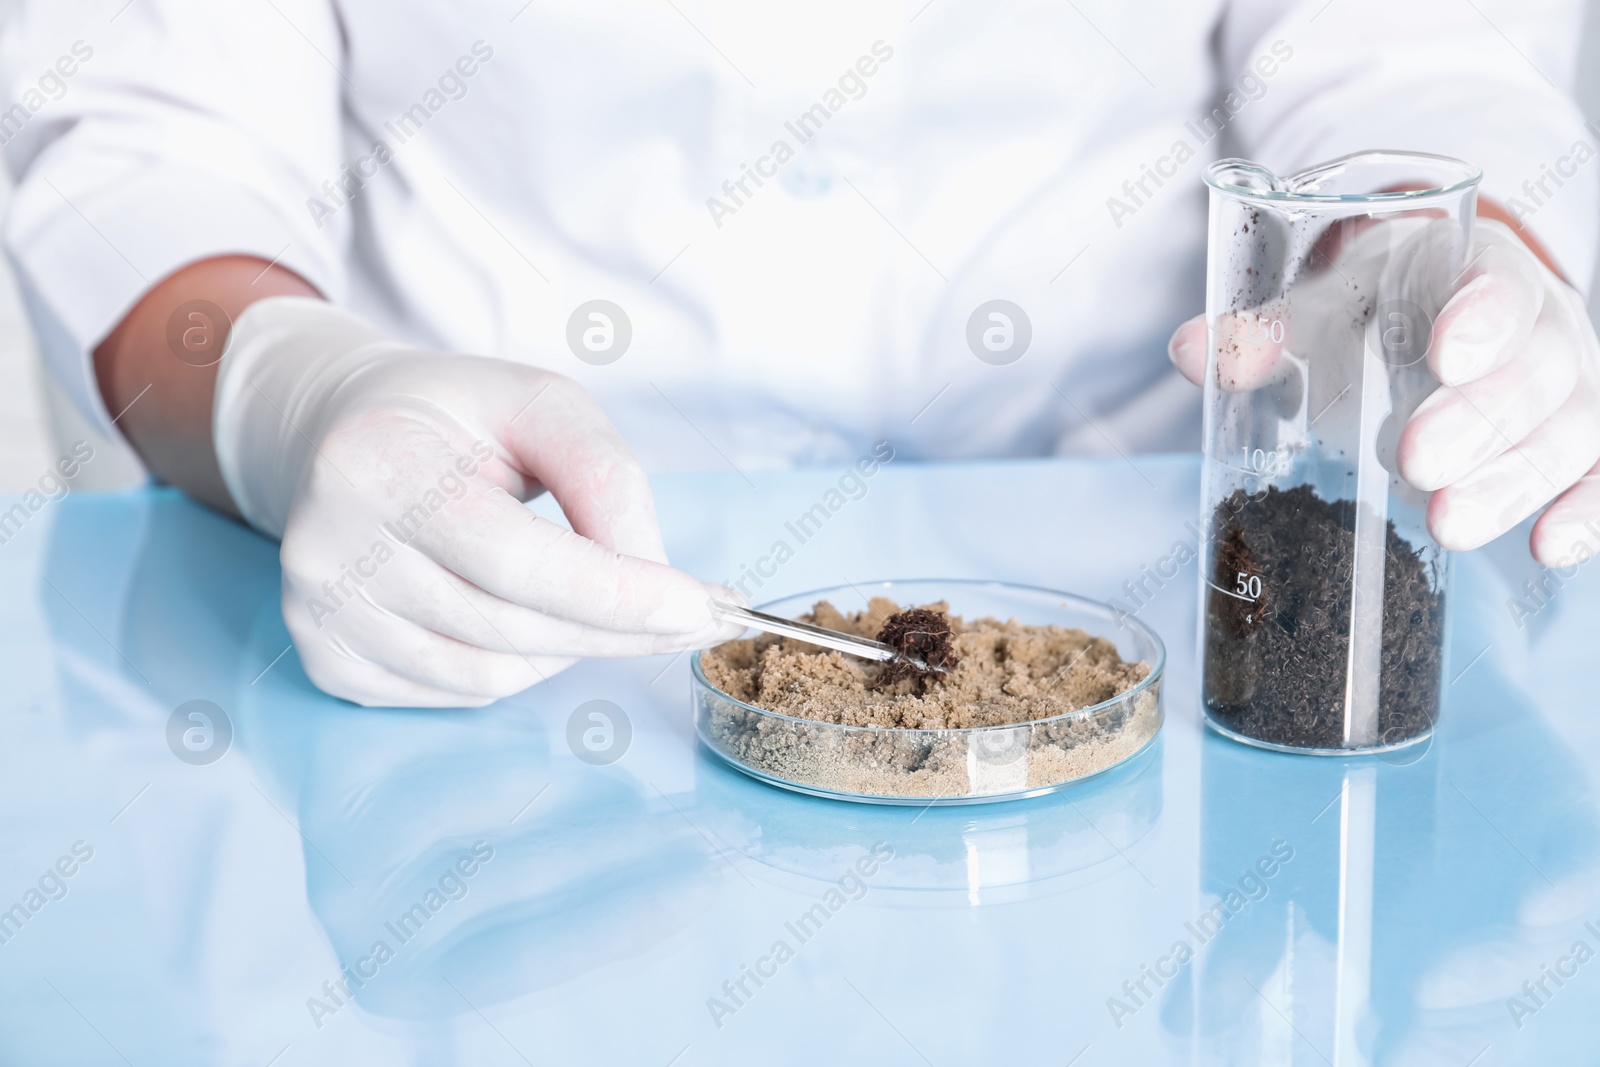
(1263, 329)
(1249, 585)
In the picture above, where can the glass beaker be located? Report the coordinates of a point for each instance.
(1322, 608)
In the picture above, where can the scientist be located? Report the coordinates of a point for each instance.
(469, 252)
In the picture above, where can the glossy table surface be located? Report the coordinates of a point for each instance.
(533, 907)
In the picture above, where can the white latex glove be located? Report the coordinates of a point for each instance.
(1516, 422)
(412, 575)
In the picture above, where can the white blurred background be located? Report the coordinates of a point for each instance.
(31, 420)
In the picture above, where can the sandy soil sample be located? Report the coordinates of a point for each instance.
(1006, 674)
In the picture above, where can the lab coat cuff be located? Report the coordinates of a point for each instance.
(80, 285)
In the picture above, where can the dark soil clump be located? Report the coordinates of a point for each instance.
(1276, 657)
(922, 634)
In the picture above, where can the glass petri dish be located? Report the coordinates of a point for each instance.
(898, 765)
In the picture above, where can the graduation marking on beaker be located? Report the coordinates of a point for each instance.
(1249, 588)
(1258, 328)
(1262, 461)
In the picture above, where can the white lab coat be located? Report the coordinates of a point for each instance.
(541, 155)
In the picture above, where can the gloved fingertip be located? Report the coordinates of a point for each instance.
(727, 594)
(1542, 548)
(1458, 364)
(1416, 473)
(724, 631)
(1187, 350)
(1559, 544)
(1476, 331)
(1420, 465)
(729, 632)
(1457, 360)
(719, 632)
(719, 629)
(685, 609)
(1461, 524)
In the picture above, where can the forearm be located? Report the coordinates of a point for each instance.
(157, 369)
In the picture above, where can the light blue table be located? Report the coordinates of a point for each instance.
(222, 900)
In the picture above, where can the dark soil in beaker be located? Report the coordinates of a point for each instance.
(1275, 655)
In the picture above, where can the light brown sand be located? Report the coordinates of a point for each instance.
(1010, 675)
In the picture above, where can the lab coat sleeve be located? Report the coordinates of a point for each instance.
(1487, 81)
(185, 129)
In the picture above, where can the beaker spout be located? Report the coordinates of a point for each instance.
(1244, 176)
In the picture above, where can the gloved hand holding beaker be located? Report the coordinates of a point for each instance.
(1515, 423)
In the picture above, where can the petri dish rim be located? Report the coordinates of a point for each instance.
(950, 800)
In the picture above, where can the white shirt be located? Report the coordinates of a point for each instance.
(520, 159)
